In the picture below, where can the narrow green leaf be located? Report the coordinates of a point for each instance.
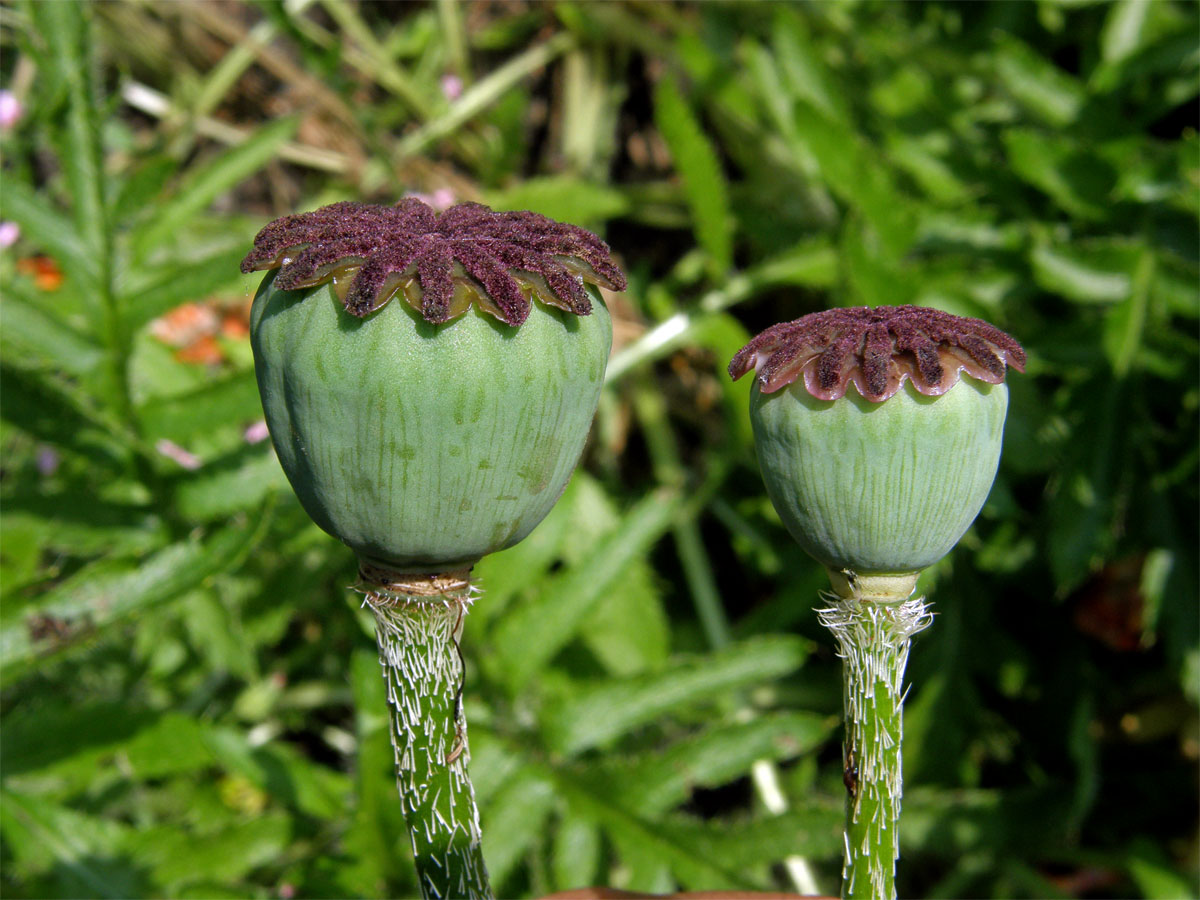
(481, 94)
(623, 650)
(100, 596)
(173, 745)
(375, 816)
(810, 263)
(142, 188)
(283, 772)
(376, 60)
(231, 401)
(41, 834)
(804, 73)
(51, 232)
(530, 636)
(176, 856)
(577, 851)
(693, 868)
(565, 198)
(768, 84)
(1037, 83)
(658, 781)
(1175, 289)
(855, 172)
(698, 166)
(1155, 876)
(1079, 181)
(55, 734)
(590, 716)
(934, 175)
(1124, 29)
(37, 336)
(1014, 823)
(1170, 58)
(1086, 487)
(236, 482)
(493, 763)
(65, 27)
(874, 277)
(644, 866)
(205, 184)
(22, 556)
(46, 406)
(178, 282)
(507, 574)
(606, 632)
(75, 522)
(814, 832)
(1125, 322)
(514, 820)
(1085, 272)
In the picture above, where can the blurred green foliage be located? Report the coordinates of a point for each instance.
(191, 702)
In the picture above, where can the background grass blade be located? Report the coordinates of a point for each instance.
(112, 592)
(530, 636)
(201, 187)
(594, 716)
(698, 167)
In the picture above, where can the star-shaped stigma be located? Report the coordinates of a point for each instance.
(439, 263)
(877, 349)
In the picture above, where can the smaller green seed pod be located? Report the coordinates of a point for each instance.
(879, 487)
(875, 453)
(877, 456)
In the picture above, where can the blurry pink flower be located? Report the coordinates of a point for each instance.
(10, 110)
(173, 451)
(442, 198)
(452, 87)
(256, 433)
(9, 232)
(47, 460)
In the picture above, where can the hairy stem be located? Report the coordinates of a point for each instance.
(873, 619)
(418, 623)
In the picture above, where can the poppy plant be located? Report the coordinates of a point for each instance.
(428, 380)
(878, 433)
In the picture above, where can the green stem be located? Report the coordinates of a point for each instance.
(873, 619)
(418, 624)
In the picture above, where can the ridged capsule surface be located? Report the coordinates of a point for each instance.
(879, 487)
(425, 446)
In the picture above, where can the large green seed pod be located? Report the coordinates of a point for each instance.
(879, 487)
(425, 446)
(875, 453)
(429, 432)
(426, 433)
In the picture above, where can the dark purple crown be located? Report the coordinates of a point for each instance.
(878, 349)
(440, 263)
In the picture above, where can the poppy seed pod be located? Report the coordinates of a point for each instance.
(875, 452)
(430, 432)
(878, 433)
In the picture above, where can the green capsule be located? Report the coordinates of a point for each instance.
(878, 431)
(879, 487)
(425, 446)
(428, 378)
